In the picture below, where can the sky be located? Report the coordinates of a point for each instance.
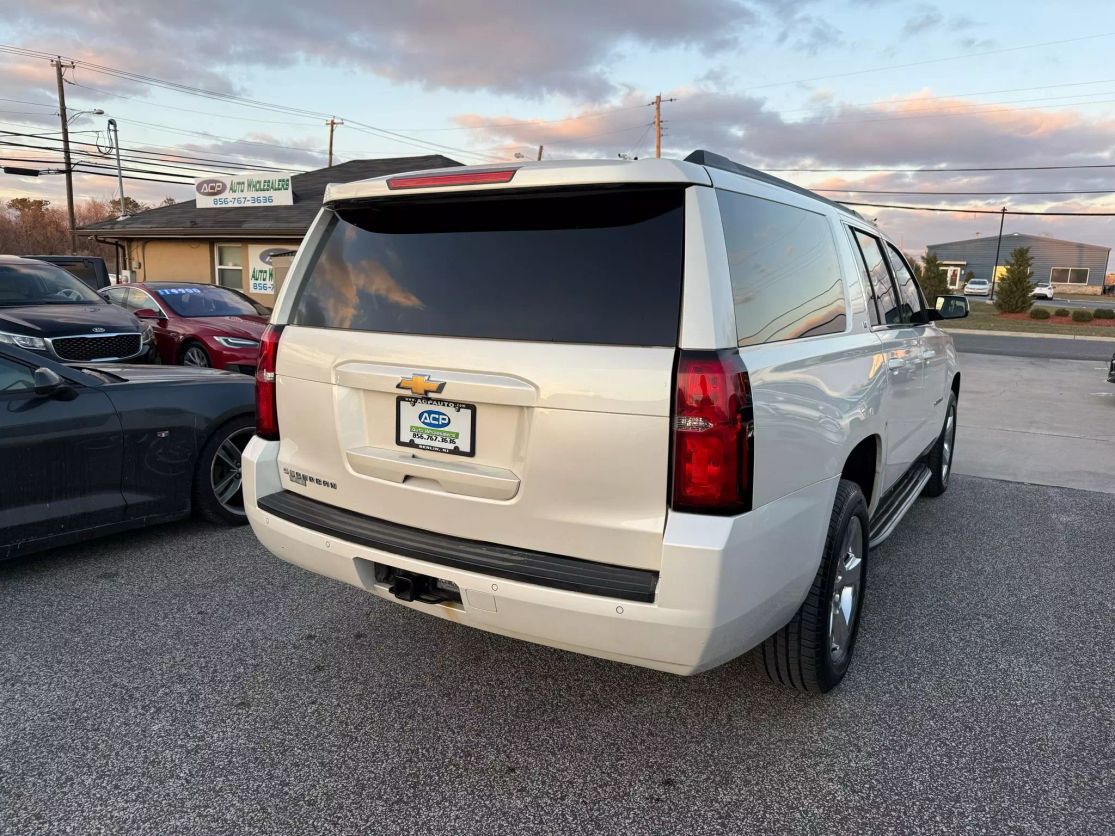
(813, 91)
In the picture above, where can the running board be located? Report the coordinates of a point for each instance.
(897, 502)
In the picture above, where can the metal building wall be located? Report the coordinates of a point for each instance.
(979, 253)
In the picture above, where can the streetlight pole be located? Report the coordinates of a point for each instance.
(119, 172)
(998, 245)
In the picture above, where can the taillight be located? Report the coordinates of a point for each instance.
(466, 178)
(713, 424)
(267, 411)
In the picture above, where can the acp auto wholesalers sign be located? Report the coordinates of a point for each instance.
(221, 190)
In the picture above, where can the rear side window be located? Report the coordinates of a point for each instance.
(577, 267)
(786, 281)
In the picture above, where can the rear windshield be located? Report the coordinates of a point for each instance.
(601, 267)
(83, 270)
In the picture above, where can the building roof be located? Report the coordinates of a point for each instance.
(1013, 235)
(187, 220)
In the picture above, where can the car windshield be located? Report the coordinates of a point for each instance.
(207, 300)
(37, 283)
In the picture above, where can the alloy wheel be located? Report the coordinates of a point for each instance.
(195, 356)
(947, 444)
(225, 472)
(846, 591)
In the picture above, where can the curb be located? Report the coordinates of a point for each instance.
(983, 333)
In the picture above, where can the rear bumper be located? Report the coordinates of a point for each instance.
(724, 584)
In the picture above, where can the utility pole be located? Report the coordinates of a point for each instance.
(998, 245)
(58, 66)
(119, 171)
(332, 122)
(657, 125)
(540, 147)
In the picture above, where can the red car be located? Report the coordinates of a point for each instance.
(197, 324)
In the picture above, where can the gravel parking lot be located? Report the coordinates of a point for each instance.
(184, 681)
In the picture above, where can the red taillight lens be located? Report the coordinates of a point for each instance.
(465, 178)
(267, 411)
(712, 434)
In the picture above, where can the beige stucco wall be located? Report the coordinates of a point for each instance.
(184, 260)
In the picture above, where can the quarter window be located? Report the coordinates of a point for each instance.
(230, 269)
(907, 286)
(1069, 275)
(890, 312)
(786, 281)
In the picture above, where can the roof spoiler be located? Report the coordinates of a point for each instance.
(711, 160)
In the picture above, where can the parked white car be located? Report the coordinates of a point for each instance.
(653, 411)
(1042, 290)
(977, 287)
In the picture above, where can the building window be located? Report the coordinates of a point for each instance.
(230, 270)
(1069, 275)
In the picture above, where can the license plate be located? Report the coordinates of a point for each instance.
(439, 426)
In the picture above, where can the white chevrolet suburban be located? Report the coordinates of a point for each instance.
(654, 411)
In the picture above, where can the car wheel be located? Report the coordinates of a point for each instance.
(218, 488)
(940, 457)
(196, 355)
(813, 651)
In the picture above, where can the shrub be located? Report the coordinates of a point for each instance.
(1082, 316)
(1062, 312)
(1040, 313)
(1013, 290)
(1104, 313)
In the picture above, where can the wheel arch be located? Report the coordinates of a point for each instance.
(862, 466)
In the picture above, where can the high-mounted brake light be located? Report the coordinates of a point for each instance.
(713, 425)
(464, 178)
(267, 410)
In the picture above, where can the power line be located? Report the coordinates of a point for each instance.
(969, 211)
(929, 61)
(944, 170)
(1003, 193)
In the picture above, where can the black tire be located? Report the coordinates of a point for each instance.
(941, 456)
(803, 655)
(211, 500)
(196, 350)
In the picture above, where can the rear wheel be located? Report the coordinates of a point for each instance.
(196, 355)
(218, 489)
(813, 651)
(940, 457)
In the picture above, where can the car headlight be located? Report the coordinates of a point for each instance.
(23, 341)
(148, 332)
(237, 342)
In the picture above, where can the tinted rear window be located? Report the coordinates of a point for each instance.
(602, 267)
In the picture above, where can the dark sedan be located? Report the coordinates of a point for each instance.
(1111, 370)
(46, 310)
(197, 324)
(91, 450)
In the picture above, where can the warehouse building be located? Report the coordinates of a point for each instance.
(216, 239)
(1071, 266)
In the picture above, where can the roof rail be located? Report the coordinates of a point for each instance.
(711, 160)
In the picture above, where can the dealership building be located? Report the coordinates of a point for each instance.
(1071, 266)
(229, 234)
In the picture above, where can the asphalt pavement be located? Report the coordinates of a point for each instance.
(184, 681)
(1041, 347)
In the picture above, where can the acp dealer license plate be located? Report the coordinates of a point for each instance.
(440, 426)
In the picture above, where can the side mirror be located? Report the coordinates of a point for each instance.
(49, 384)
(952, 307)
(148, 313)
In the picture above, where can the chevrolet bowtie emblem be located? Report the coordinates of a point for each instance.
(421, 385)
